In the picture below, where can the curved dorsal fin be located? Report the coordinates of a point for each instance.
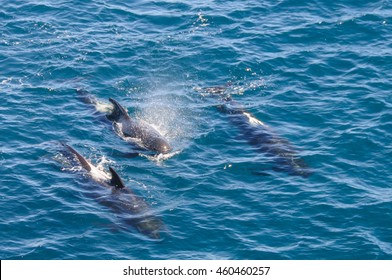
(118, 111)
(85, 164)
(116, 180)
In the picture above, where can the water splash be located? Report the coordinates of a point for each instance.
(201, 20)
(159, 158)
(103, 162)
(5, 81)
(72, 165)
(170, 114)
(165, 107)
(103, 107)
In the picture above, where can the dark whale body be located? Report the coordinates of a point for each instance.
(261, 136)
(149, 137)
(139, 132)
(129, 207)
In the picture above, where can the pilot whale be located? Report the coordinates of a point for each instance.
(138, 132)
(127, 206)
(149, 137)
(260, 135)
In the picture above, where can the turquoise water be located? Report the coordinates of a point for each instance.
(317, 72)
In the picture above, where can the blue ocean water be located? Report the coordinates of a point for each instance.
(318, 72)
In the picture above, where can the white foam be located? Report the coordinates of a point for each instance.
(159, 158)
(3, 82)
(253, 120)
(98, 175)
(104, 161)
(103, 107)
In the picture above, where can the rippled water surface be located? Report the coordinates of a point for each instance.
(318, 73)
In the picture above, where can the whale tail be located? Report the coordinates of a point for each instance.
(117, 112)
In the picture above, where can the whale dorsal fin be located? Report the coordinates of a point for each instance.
(116, 180)
(118, 111)
(85, 164)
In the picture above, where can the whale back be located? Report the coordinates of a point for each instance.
(130, 208)
(260, 135)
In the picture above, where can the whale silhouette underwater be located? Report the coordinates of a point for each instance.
(135, 131)
(260, 135)
(109, 190)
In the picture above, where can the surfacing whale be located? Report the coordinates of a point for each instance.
(130, 208)
(138, 132)
(260, 135)
(148, 136)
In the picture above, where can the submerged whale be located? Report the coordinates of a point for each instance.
(261, 136)
(129, 207)
(137, 131)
